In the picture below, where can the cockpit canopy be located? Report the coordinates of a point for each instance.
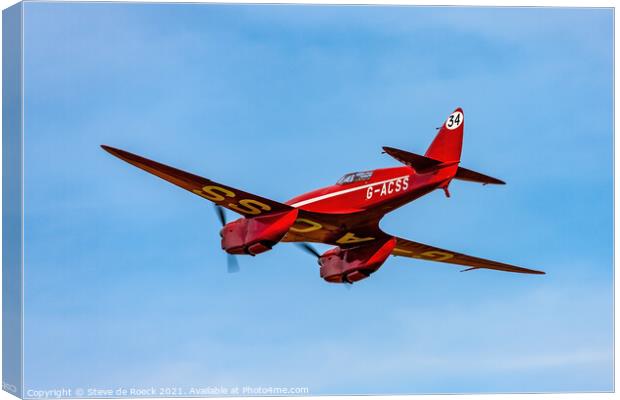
(354, 177)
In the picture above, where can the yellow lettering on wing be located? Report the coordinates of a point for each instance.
(244, 206)
(249, 206)
(397, 250)
(214, 193)
(351, 238)
(312, 226)
(436, 255)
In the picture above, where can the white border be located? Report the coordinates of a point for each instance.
(509, 3)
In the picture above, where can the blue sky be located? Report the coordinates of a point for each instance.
(125, 281)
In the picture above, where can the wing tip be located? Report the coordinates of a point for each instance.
(122, 154)
(531, 271)
(109, 149)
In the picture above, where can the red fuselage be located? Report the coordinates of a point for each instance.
(383, 191)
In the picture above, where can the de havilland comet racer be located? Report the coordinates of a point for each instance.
(345, 215)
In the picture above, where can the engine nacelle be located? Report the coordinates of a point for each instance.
(257, 234)
(354, 264)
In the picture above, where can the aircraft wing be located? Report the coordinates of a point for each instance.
(246, 204)
(408, 248)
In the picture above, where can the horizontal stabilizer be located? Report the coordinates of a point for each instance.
(419, 163)
(424, 164)
(465, 174)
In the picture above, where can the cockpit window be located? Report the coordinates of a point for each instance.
(355, 177)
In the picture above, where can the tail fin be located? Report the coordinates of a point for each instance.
(444, 152)
(448, 143)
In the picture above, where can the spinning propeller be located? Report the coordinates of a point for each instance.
(308, 249)
(232, 265)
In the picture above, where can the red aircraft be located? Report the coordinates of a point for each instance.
(345, 215)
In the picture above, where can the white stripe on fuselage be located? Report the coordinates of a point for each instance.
(338, 193)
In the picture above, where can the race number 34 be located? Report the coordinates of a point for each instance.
(454, 120)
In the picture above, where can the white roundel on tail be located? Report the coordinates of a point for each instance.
(454, 120)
